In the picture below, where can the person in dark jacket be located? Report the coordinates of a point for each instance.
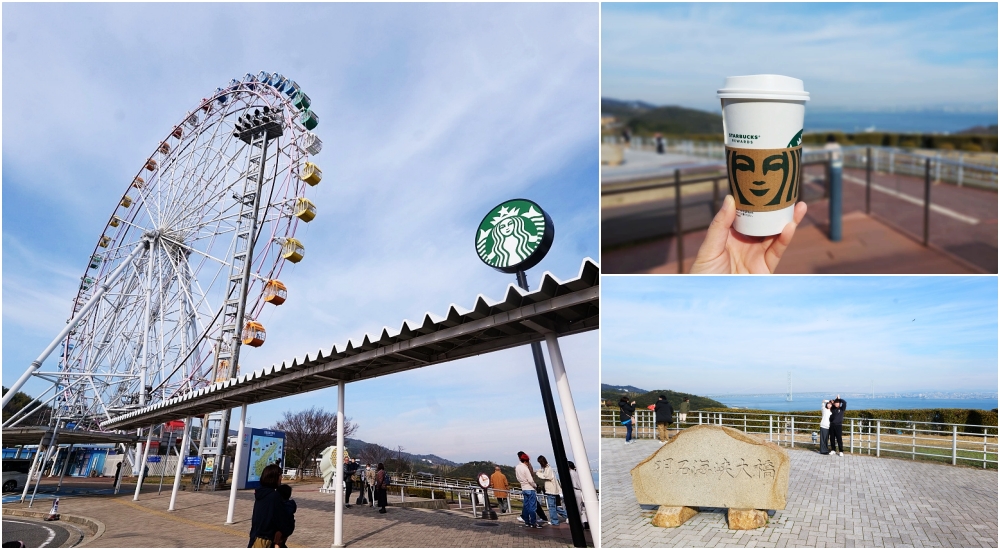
(627, 410)
(664, 417)
(350, 468)
(837, 408)
(270, 521)
(380, 488)
(286, 494)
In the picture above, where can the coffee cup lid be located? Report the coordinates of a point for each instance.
(764, 86)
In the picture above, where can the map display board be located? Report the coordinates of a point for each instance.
(261, 447)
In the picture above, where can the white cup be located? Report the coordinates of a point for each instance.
(764, 111)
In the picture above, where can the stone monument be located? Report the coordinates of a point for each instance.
(713, 466)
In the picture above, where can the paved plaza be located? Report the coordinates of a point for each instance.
(200, 516)
(849, 501)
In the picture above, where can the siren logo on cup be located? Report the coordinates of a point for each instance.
(764, 180)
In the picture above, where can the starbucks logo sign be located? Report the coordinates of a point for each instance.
(514, 236)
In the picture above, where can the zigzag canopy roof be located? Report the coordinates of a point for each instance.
(563, 308)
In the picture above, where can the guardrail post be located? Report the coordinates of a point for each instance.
(770, 427)
(913, 450)
(954, 445)
(459, 494)
(878, 438)
(984, 449)
(892, 161)
(793, 431)
(961, 166)
(852, 425)
(699, 418)
(868, 183)
(744, 423)
(679, 232)
(715, 196)
(927, 200)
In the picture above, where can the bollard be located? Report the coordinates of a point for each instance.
(927, 200)
(793, 431)
(878, 438)
(868, 183)
(836, 195)
(679, 232)
(770, 428)
(852, 428)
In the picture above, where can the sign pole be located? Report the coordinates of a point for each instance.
(555, 434)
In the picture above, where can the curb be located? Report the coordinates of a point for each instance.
(96, 527)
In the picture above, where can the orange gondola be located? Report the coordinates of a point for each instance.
(254, 334)
(275, 292)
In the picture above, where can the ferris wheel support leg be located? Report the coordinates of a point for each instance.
(94, 300)
(185, 443)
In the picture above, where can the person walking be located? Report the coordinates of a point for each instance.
(664, 417)
(553, 491)
(381, 484)
(498, 482)
(682, 415)
(526, 477)
(270, 522)
(626, 409)
(118, 473)
(837, 408)
(824, 428)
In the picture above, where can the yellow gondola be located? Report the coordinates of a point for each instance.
(311, 174)
(275, 292)
(305, 210)
(292, 250)
(126, 201)
(104, 242)
(115, 221)
(254, 334)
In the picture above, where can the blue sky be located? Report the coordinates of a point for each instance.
(852, 56)
(719, 335)
(430, 115)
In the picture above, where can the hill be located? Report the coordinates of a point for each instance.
(355, 446)
(990, 130)
(470, 470)
(644, 118)
(649, 397)
(617, 391)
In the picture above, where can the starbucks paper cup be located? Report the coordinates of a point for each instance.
(762, 117)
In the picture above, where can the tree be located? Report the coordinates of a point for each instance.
(398, 463)
(39, 417)
(373, 453)
(310, 431)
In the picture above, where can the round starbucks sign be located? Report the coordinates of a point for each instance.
(514, 236)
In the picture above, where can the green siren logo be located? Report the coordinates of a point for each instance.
(514, 236)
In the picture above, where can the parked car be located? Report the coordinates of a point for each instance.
(15, 474)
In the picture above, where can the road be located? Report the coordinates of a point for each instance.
(38, 534)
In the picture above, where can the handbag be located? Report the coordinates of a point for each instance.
(261, 542)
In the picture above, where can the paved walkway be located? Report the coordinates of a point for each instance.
(850, 501)
(200, 516)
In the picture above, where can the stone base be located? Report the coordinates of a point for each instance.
(673, 516)
(746, 519)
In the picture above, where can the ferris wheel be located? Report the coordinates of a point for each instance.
(180, 278)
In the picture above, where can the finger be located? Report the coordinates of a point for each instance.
(774, 252)
(718, 231)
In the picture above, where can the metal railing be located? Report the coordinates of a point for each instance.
(965, 444)
(680, 178)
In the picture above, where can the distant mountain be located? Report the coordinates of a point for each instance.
(619, 390)
(354, 447)
(644, 118)
(643, 398)
(990, 130)
(470, 470)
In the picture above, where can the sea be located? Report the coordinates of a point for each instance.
(854, 402)
(928, 121)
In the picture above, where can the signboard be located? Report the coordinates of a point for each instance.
(153, 459)
(192, 460)
(514, 236)
(260, 448)
(484, 480)
(209, 463)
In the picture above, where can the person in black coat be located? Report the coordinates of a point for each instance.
(627, 410)
(664, 418)
(837, 408)
(350, 468)
(270, 521)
